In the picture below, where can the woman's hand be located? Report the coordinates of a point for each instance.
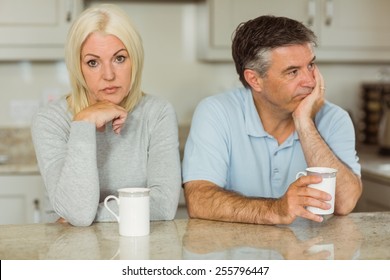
(102, 113)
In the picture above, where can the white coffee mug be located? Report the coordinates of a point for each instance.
(328, 185)
(134, 216)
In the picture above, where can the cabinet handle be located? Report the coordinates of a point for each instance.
(329, 12)
(311, 7)
(69, 11)
(37, 211)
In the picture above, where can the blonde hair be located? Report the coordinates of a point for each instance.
(111, 20)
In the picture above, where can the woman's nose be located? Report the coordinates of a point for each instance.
(108, 72)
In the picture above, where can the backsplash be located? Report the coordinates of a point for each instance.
(16, 143)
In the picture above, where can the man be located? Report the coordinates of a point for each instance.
(246, 146)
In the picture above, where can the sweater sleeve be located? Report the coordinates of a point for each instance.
(163, 167)
(66, 154)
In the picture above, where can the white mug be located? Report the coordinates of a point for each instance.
(328, 185)
(134, 216)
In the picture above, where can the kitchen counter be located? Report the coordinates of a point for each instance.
(356, 236)
(20, 166)
(376, 180)
(17, 152)
(16, 145)
(374, 166)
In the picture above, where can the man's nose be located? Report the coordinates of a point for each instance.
(308, 78)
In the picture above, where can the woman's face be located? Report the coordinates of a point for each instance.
(106, 66)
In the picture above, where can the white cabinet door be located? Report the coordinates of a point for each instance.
(21, 197)
(225, 17)
(356, 30)
(347, 30)
(35, 29)
(218, 19)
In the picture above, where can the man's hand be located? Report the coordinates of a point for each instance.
(298, 196)
(309, 106)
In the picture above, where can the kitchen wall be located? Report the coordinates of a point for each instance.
(171, 71)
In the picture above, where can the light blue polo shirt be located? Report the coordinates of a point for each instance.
(228, 146)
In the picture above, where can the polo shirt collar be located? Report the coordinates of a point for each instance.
(253, 124)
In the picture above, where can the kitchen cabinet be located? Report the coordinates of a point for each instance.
(21, 197)
(36, 29)
(375, 174)
(375, 197)
(347, 30)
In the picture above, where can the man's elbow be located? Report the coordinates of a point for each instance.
(189, 198)
(344, 210)
(347, 206)
(191, 212)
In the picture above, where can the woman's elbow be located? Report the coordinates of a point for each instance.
(79, 219)
(81, 222)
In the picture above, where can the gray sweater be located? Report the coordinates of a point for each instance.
(81, 166)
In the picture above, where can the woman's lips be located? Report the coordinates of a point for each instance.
(110, 90)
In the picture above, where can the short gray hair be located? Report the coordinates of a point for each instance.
(254, 40)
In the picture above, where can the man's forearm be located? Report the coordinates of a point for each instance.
(208, 201)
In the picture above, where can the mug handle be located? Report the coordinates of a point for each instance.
(108, 208)
(300, 174)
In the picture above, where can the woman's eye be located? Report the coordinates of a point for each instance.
(92, 63)
(120, 58)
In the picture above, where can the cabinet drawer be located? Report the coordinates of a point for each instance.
(376, 196)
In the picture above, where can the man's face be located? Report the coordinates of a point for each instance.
(290, 77)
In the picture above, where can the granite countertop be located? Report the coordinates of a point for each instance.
(356, 236)
(19, 166)
(17, 152)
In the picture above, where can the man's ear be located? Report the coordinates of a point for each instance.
(253, 79)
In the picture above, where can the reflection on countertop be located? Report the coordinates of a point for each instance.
(356, 236)
(301, 240)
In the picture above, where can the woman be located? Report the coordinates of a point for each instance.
(106, 134)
